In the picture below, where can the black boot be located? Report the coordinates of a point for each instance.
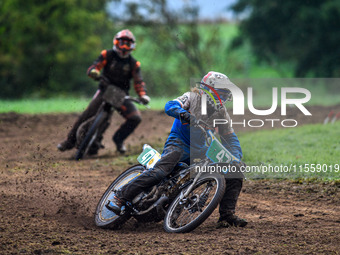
(120, 145)
(115, 205)
(231, 220)
(124, 131)
(65, 145)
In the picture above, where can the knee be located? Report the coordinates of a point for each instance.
(156, 174)
(135, 119)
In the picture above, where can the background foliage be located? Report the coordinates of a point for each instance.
(304, 34)
(46, 46)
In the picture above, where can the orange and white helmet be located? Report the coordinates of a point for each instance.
(124, 42)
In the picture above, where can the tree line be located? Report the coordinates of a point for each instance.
(46, 46)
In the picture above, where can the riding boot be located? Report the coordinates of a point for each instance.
(228, 205)
(231, 194)
(124, 131)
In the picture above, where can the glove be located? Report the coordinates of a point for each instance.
(94, 74)
(187, 118)
(144, 99)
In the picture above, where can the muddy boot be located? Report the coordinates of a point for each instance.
(65, 145)
(124, 131)
(231, 220)
(120, 145)
(121, 148)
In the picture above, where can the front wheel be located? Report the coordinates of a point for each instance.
(91, 135)
(105, 218)
(186, 214)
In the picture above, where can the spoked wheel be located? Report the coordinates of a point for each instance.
(184, 215)
(91, 135)
(105, 218)
(83, 129)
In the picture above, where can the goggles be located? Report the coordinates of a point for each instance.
(223, 94)
(126, 44)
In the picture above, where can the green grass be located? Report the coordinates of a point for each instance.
(37, 106)
(294, 147)
(157, 103)
(62, 105)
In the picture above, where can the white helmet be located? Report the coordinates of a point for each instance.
(215, 84)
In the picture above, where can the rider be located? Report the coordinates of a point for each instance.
(186, 109)
(119, 67)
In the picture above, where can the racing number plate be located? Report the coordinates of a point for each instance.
(149, 157)
(217, 153)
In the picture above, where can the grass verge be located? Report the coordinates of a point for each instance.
(62, 105)
(311, 151)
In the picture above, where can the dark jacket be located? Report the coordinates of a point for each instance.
(120, 71)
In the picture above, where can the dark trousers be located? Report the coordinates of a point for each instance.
(173, 154)
(170, 157)
(128, 110)
(231, 194)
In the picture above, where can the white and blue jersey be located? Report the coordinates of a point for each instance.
(190, 139)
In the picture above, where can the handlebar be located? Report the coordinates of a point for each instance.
(137, 100)
(103, 78)
(107, 82)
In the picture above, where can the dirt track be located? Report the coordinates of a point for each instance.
(48, 200)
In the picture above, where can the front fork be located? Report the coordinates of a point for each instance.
(189, 189)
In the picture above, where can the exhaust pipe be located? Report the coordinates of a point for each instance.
(158, 204)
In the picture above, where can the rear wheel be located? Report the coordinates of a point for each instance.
(105, 218)
(91, 135)
(184, 215)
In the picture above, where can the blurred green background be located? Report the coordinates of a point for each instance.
(47, 46)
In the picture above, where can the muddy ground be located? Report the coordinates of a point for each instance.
(47, 200)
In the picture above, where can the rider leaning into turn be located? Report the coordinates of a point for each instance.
(119, 67)
(180, 144)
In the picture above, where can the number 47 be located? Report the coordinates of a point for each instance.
(220, 155)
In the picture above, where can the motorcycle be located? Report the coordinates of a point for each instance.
(90, 132)
(184, 199)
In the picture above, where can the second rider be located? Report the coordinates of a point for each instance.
(119, 67)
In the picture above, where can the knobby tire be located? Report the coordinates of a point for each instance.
(85, 144)
(169, 225)
(103, 217)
